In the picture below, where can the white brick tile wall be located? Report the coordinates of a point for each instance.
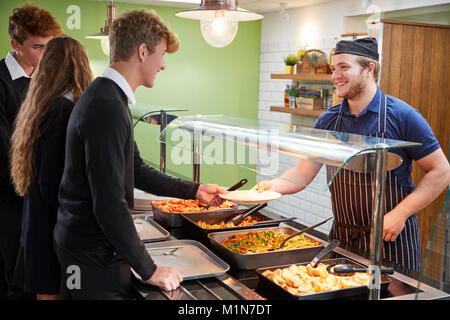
(313, 204)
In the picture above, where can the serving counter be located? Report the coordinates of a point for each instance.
(238, 284)
(257, 149)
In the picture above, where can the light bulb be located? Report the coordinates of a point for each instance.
(104, 43)
(218, 27)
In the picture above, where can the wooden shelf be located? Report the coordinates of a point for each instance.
(303, 76)
(301, 112)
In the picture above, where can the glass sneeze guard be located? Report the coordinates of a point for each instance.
(222, 140)
(258, 147)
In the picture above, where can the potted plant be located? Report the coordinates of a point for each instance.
(293, 92)
(290, 61)
(300, 56)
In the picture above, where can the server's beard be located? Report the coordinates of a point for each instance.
(354, 91)
(357, 89)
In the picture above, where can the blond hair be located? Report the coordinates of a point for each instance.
(364, 63)
(63, 67)
(135, 27)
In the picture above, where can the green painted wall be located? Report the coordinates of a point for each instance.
(200, 78)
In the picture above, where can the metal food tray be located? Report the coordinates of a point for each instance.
(199, 233)
(325, 295)
(193, 260)
(264, 259)
(143, 200)
(175, 220)
(150, 231)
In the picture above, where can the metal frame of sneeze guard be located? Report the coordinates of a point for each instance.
(354, 152)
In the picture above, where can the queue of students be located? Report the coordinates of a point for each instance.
(67, 175)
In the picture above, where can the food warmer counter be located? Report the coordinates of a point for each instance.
(238, 284)
(260, 150)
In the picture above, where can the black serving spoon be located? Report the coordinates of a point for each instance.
(348, 270)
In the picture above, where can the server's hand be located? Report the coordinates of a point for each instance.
(263, 186)
(209, 193)
(167, 278)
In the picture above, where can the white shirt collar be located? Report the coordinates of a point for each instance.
(68, 95)
(15, 69)
(115, 76)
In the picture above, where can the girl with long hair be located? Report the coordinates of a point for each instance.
(37, 159)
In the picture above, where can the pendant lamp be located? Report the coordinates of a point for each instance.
(219, 20)
(104, 32)
(103, 35)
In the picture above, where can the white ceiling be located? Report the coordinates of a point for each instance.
(259, 6)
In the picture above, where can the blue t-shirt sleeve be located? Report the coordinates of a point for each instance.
(417, 129)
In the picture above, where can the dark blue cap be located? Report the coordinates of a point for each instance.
(367, 47)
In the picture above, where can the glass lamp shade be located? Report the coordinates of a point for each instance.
(218, 27)
(219, 20)
(104, 44)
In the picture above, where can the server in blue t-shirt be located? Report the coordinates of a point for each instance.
(366, 110)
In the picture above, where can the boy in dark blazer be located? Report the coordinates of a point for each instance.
(95, 230)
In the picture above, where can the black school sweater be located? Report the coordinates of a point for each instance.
(12, 93)
(102, 168)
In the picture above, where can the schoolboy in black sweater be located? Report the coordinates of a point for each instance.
(95, 230)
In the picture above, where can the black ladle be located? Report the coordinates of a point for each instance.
(240, 217)
(348, 270)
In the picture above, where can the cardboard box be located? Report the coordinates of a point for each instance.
(309, 103)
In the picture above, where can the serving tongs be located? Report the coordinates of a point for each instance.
(348, 270)
(330, 247)
(237, 220)
(171, 252)
(232, 188)
(301, 232)
(271, 222)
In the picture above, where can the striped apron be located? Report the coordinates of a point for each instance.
(351, 197)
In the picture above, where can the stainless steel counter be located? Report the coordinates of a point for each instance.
(244, 284)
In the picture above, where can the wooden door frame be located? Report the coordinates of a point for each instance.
(417, 74)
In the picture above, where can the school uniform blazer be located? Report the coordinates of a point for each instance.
(37, 268)
(103, 165)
